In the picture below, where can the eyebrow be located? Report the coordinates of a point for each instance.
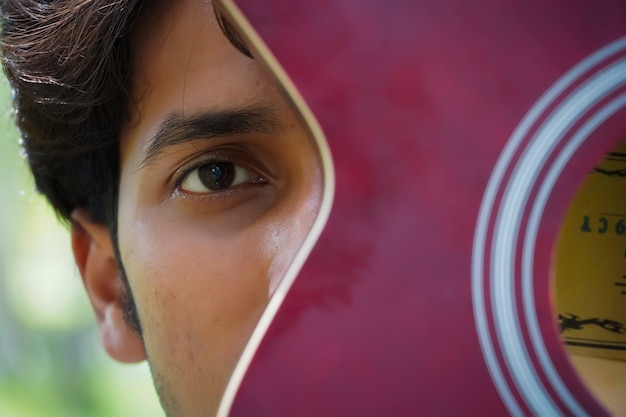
(178, 129)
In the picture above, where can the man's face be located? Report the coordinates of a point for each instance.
(219, 185)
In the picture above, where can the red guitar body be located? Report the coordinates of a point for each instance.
(459, 133)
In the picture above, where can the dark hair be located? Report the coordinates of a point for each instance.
(69, 64)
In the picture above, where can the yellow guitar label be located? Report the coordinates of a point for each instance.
(590, 263)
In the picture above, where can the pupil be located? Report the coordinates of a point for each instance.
(217, 175)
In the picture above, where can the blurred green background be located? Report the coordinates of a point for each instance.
(51, 360)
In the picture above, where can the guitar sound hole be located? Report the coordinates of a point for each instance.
(590, 281)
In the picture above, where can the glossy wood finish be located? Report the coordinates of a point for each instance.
(419, 101)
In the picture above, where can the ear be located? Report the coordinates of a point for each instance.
(95, 258)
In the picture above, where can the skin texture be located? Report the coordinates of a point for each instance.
(201, 265)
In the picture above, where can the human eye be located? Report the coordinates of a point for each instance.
(212, 176)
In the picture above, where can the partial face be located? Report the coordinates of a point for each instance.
(219, 186)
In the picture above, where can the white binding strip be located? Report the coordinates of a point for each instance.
(508, 222)
(254, 41)
(487, 205)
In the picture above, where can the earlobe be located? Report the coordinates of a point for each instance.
(95, 258)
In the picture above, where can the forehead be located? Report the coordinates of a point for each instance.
(184, 63)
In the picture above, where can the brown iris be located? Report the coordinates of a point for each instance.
(217, 175)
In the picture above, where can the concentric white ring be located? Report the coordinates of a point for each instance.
(544, 142)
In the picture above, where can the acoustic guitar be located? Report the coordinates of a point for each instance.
(469, 257)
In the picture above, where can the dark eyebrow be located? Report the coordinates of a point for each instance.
(177, 128)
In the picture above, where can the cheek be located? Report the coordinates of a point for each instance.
(285, 237)
(185, 273)
(198, 298)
